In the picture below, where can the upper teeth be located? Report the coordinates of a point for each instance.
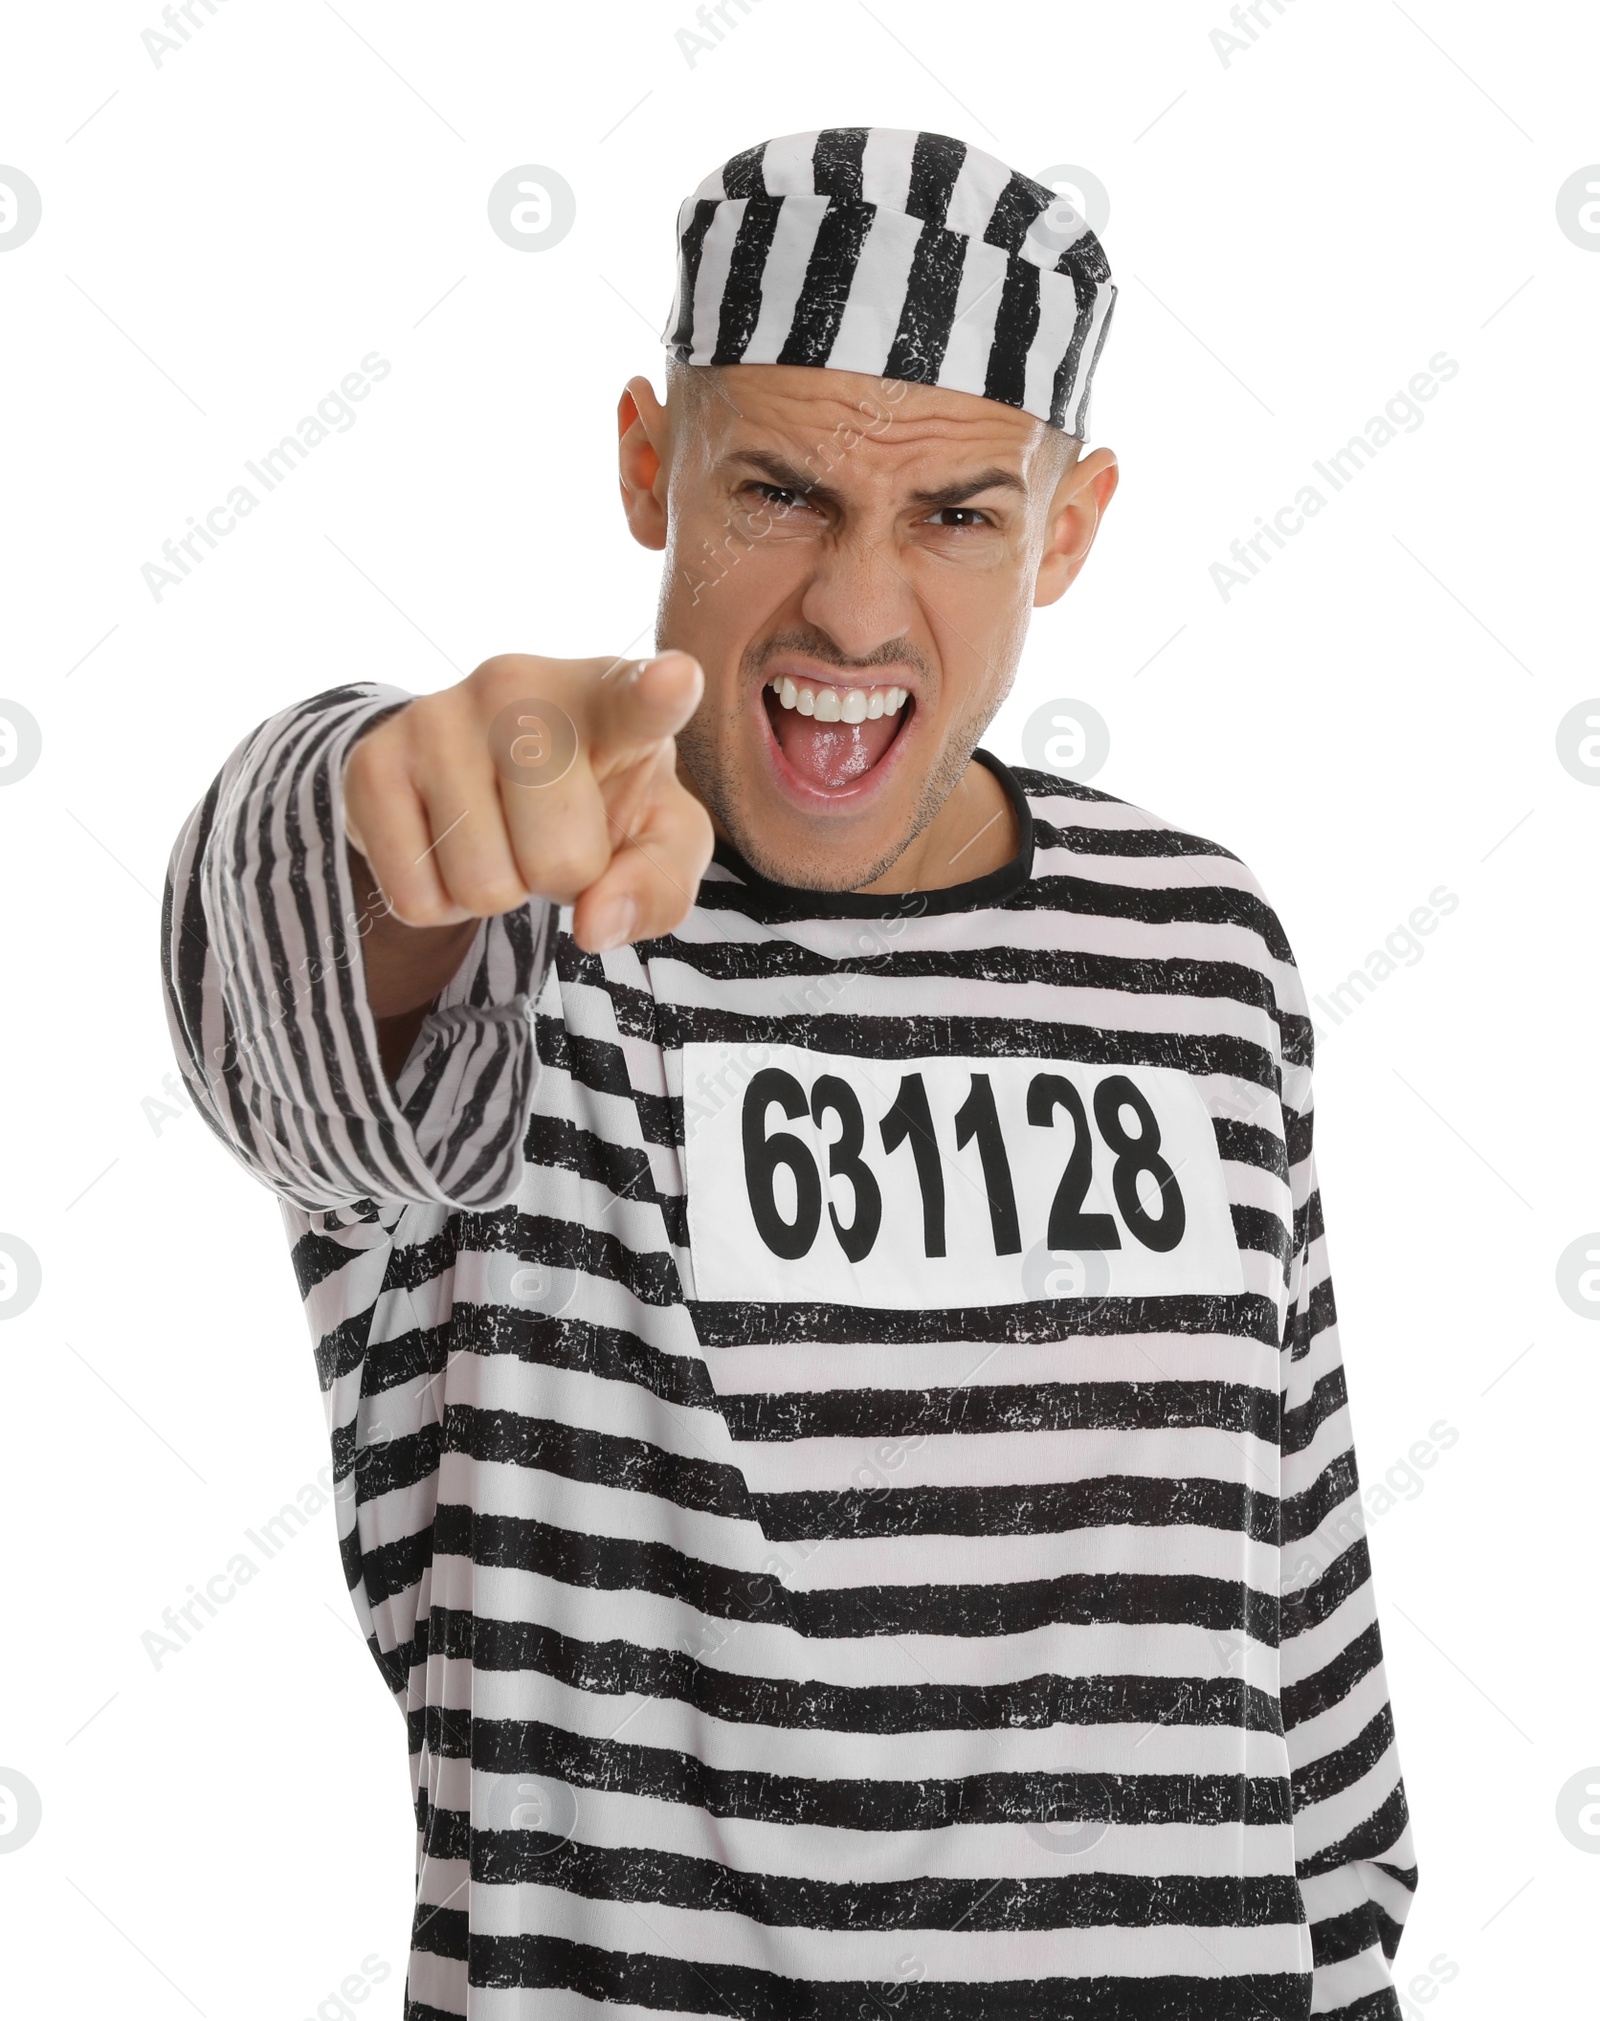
(837, 705)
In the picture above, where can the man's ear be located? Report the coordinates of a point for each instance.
(1076, 511)
(642, 457)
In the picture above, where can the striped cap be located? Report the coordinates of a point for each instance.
(905, 255)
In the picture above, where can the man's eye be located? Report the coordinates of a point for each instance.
(959, 516)
(777, 495)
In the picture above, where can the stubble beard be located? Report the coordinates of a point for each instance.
(726, 796)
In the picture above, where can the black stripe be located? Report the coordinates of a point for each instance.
(418, 1262)
(1362, 1928)
(1077, 424)
(690, 248)
(776, 1416)
(1046, 891)
(835, 254)
(852, 1802)
(558, 1143)
(1369, 1840)
(1335, 1681)
(836, 163)
(1249, 1144)
(1019, 203)
(1313, 1315)
(1064, 1901)
(340, 1350)
(889, 1038)
(1377, 2006)
(1312, 1604)
(1301, 1425)
(1134, 842)
(601, 1067)
(1345, 1766)
(617, 1668)
(1259, 1229)
(733, 962)
(1038, 1509)
(599, 1459)
(649, 1979)
(607, 1353)
(1084, 262)
(741, 296)
(1051, 786)
(387, 1464)
(317, 1256)
(396, 1567)
(619, 1564)
(1016, 324)
(650, 1275)
(1305, 1513)
(936, 162)
(635, 1466)
(1242, 1316)
(742, 175)
(928, 312)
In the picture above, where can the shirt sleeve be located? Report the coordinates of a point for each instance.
(267, 1001)
(1352, 1833)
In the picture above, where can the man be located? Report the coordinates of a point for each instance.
(840, 1426)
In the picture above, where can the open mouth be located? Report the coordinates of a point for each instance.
(832, 734)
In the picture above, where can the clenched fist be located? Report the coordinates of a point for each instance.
(537, 778)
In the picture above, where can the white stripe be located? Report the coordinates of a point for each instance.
(886, 167)
(618, 1820)
(786, 165)
(706, 1936)
(877, 293)
(1058, 312)
(1076, 411)
(978, 299)
(784, 274)
(711, 281)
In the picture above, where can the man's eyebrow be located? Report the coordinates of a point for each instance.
(996, 478)
(787, 476)
(777, 470)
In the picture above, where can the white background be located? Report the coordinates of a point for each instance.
(1295, 232)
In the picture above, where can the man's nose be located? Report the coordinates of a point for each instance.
(858, 598)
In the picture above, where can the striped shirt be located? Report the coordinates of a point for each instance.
(841, 1438)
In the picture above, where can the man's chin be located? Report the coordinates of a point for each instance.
(815, 867)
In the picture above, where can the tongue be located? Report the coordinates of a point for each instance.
(832, 754)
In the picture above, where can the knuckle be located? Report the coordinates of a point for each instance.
(566, 872)
(361, 768)
(498, 665)
(487, 896)
(416, 908)
(505, 676)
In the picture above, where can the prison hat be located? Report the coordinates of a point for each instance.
(905, 255)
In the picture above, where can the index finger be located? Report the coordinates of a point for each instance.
(639, 705)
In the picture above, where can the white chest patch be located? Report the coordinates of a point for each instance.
(923, 1183)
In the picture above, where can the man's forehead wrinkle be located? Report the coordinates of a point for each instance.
(882, 427)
